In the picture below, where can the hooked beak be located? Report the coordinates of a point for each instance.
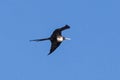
(67, 39)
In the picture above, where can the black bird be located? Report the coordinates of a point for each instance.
(56, 38)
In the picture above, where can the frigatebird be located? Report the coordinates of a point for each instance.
(56, 38)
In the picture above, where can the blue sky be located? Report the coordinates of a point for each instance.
(92, 54)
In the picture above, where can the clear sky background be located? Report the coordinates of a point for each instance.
(92, 54)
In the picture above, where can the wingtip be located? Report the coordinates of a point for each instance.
(67, 26)
(49, 54)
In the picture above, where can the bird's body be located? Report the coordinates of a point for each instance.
(56, 38)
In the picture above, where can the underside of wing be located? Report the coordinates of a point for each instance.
(64, 28)
(59, 30)
(54, 45)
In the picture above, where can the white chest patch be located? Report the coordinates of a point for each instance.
(59, 39)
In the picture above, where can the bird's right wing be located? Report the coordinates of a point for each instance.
(64, 28)
(59, 30)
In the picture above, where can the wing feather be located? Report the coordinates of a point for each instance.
(59, 30)
(54, 45)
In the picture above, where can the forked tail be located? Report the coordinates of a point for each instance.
(37, 40)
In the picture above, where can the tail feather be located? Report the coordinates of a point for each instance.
(37, 40)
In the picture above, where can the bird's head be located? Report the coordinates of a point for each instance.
(65, 38)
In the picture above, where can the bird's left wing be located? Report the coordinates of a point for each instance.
(54, 45)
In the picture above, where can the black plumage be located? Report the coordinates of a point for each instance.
(56, 38)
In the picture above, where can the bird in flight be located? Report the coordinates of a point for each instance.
(56, 38)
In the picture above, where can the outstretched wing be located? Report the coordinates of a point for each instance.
(59, 30)
(54, 45)
(63, 28)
